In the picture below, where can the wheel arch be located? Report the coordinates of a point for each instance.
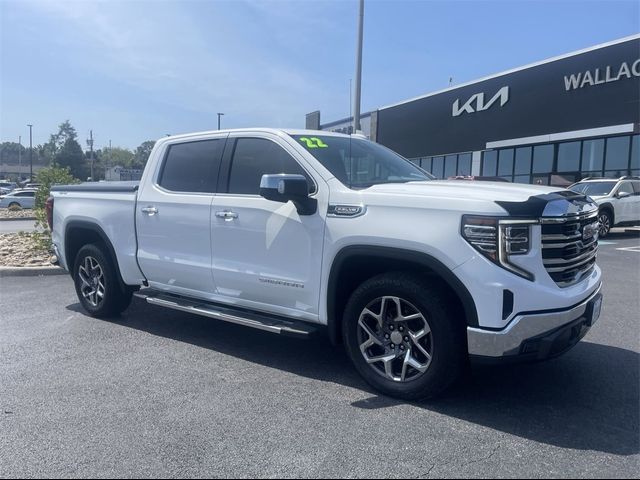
(612, 211)
(356, 263)
(78, 233)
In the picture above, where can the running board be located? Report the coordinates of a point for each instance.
(260, 321)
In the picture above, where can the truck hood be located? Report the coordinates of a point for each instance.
(516, 199)
(480, 190)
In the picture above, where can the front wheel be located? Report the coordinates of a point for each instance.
(605, 223)
(97, 285)
(404, 336)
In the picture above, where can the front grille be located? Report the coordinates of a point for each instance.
(567, 256)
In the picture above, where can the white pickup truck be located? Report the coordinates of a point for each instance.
(294, 231)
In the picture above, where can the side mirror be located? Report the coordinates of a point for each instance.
(623, 194)
(284, 188)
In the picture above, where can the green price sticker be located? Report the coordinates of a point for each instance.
(313, 142)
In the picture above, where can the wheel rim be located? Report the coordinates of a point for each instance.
(395, 339)
(605, 224)
(92, 278)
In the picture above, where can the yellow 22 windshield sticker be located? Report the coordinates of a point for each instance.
(313, 142)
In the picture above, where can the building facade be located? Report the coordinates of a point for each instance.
(552, 122)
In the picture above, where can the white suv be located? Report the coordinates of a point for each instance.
(618, 200)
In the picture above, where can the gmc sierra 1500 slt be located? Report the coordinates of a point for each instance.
(289, 231)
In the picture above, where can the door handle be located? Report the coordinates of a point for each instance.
(151, 211)
(227, 215)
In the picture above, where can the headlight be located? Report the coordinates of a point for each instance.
(499, 239)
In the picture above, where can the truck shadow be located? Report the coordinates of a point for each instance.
(586, 400)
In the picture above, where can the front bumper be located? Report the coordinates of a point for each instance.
(535, 335)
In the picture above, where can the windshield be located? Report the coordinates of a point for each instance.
(594, 189)
(359, 163)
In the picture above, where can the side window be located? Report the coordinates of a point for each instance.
(26, 194)
(254, 157)
(192, 166)
(636, 187)
(625, 187)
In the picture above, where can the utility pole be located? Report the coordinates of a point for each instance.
(109, 162)
(90, 143)
(358, 79)
(219, 115)
(30, 152)
(20, 156)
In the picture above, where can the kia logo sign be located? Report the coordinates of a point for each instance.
(477, 104)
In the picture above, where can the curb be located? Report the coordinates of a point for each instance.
(30, 271)
(16, 219)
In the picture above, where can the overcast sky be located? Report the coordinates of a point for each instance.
(137, 70)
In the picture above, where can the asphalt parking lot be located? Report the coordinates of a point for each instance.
(162, 393)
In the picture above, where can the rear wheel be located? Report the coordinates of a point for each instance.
(15, 205)
(404, 337)
(97, 284)
(606, 222)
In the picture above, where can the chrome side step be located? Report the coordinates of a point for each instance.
(260, 321)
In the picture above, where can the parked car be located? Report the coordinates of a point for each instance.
(6, 187)
(295, 232)
(618, 200)
(23, 198)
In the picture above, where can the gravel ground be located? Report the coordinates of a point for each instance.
(24, 213)
(18, 250)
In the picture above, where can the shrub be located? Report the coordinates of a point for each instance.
(46, 178)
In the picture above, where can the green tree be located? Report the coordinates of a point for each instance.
(11, 151)
(57, 140)
(117, 156)
(72, 157)
(142, 154)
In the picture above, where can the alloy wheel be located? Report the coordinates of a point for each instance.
(605, 224)
(92, 278)
(395, 339)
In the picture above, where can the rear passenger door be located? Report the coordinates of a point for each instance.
(173, 217)
(625, 205)
(266, 256)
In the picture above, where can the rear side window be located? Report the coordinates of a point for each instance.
(192, 167)
(254, 157)
(26, 194)
(626, 187)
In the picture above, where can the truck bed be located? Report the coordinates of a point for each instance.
(109, 206)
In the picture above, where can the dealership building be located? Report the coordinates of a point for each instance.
(552, 122)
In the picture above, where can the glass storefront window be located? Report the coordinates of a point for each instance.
(438, 167)
(426, 164)
(592, 155)
(569, 157)
(522, 179)
(450, 165)
(505, 163)
(523, 161)
(464, 164)
(635, 153)
(617, 154)
(489, 163)
(543, 159)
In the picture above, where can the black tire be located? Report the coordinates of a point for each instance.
(447, 340)
(15, 204)
(115, 298)
(606, 222)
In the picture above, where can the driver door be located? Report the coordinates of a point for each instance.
(266, 256)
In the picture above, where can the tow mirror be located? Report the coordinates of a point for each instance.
(287, 187)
